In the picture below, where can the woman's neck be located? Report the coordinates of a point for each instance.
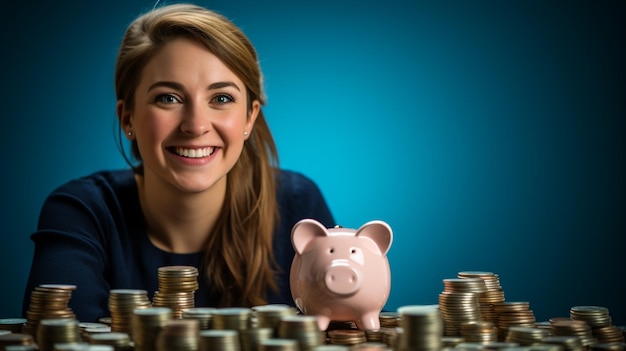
(179, 222)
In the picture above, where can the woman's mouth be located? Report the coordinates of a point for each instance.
(193, 153)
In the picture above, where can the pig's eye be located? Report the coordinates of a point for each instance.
(353, 251)
(332, 250)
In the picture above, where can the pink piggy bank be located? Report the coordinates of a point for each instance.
(341, 274)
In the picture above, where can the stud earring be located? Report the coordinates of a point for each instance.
(245, 133)
(130, 133)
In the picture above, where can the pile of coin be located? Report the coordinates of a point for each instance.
(146, 324)
(302, 328)
(177, 288)
(122, 304)
(422, 327)
(57, 331)
(48, 301)
(566, 343)
(513, 314)
(599, 320)
(459, 303)
(179, 335)
(493, 294)
(279, 345)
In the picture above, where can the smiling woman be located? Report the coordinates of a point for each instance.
(204, 190)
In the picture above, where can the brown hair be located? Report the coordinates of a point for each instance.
(239, 262)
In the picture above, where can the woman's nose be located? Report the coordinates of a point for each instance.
(196, 120)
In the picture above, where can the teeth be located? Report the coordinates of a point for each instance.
(195, 153)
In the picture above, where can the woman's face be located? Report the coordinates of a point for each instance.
(190, 117)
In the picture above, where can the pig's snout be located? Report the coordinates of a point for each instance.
(342, 280)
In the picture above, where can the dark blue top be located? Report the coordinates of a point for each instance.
(91, 233)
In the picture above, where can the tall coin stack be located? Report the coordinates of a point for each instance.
(422, 327)
(599, 319)
(513, 314)
(202, 314)
(177, 288)
(494, 293)
(147, 323)
(48, 301)
(303, 329)
(459, 303)
(122, 304)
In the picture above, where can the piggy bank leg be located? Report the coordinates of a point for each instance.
(369, 322)
(323, 322)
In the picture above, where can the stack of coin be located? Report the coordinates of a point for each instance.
(479, 331)
(177, 288)
(422, 327)
(13, 325)
(451, 341)
(513, 314)
(304, 329)
(235, 318)
(146, 324)
(219, 340)
(71, 346)
(179, 335)
(459, 303)
(599, 319)
(48, 301)
(119, 341)
(122, 304)
(388, 322)
(526, 336)
(269, 316)
(279, 345)
(346, 337)
(494, 293)
(577, 328)
(16, 339)
(202, 314)
(251, 338)
(53, 331)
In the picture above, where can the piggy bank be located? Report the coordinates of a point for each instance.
(341, 274)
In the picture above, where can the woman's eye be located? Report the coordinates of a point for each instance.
(222, 99)
(167, 99)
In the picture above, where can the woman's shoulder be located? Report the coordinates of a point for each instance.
(99, 181)
(300, 197)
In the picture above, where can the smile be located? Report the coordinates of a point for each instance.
(194, 153)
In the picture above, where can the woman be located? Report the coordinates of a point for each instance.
(205, 191)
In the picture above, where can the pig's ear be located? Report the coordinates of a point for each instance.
(304, 231)
(378, 231)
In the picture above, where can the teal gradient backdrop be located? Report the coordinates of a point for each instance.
(488, 134)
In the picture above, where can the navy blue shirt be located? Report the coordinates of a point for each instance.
(91, 233)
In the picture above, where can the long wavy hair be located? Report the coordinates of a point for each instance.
(239, 261)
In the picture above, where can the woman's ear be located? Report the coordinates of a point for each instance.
(252, 115)
(124, 116)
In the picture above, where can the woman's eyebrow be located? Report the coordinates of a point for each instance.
(167, 84)
(219, 85)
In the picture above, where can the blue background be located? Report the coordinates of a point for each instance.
(488, 134)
